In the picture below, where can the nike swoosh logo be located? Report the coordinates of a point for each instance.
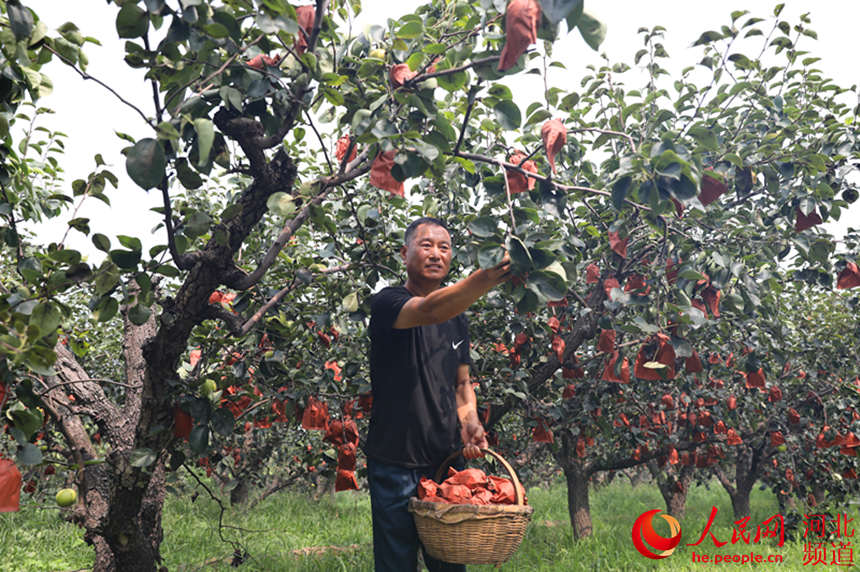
(457, 345)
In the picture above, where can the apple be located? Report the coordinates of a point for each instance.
(377, 53)
(67, 497)
(208, 387)
(429, 83)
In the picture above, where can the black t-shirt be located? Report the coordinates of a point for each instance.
(413, 374)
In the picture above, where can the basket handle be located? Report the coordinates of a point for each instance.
(518, 495)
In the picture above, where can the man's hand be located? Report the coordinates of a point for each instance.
(474, 439)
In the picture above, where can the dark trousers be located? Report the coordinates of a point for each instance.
(395, 540)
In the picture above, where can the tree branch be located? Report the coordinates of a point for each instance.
(319, 14)
(240, 281)
(469, 108)
(548, 180)
(274, 300)
(231, 320)
(449, 71)
(724, 479)
(84, 75)
(182, 261)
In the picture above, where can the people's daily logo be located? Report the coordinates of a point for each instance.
(646, 539)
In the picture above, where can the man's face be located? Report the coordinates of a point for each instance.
(428, 254)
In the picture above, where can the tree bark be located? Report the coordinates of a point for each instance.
(747, 468)
(673, 484)
(578, 506)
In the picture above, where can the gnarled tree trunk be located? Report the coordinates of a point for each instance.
(747, 468)
(673, 484)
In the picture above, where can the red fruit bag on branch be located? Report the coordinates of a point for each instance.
(609, 373)
(400, 74)
(380, 174)
(542, 433)
(10, 486)
(345, 481)
(848, 278)
(803, 222)
(618, 244)
(712, 188)
(341, 146)
(346, 456)
(305, 16)
(554, 137)
(315, 416)
(518, 182)
(521, 23)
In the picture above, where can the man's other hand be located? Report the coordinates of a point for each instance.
(474, 439)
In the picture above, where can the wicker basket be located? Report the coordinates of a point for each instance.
(468, 533)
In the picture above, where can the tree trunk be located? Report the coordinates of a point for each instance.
(576, 474)
(239, 493)
(741, 503)
(747, 467)
(673, 484)
(577, 500)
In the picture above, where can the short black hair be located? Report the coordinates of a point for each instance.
(410, 230)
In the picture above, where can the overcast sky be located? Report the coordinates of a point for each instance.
(89, 115)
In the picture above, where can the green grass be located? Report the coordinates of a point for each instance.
(336, 532)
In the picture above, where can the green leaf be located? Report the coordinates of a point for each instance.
(490, 254)
(139, 314)
(281, 204)
(704, 136)
(26, 420)
(106, 310)
(29, 454)
(558, 10)
(30, 268)
(20, 20)
(644, 326)
(199, 439)
(593, 30)
(708, 37)
(549, 284)
(130, 242)
(484, 226)
(205, 137)
(187, 176)
(508, 114)
(46, 317)
(145, 163)
(222, 422)
(410, 30)
(126, 259)
(142, 457)
(132, 21)
(620, 190)
(197, 224)
(101, 242)
(520, 257)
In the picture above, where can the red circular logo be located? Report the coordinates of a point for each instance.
(645, 538)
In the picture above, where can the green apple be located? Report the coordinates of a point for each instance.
(67, 497)
(429, 83)
(208, 387)
(377, 53)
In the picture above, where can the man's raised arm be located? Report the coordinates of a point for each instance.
(445, 303)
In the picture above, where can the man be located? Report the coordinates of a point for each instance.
(424, 406)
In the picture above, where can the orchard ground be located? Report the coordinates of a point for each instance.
(292, 531)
